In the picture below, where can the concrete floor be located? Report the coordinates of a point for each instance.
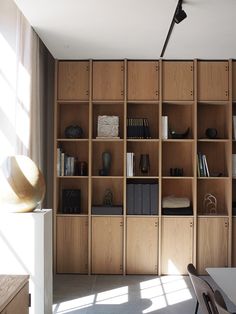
(108, 294)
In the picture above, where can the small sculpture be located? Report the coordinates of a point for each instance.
(108, 198)
(176, 135)
(211, 133)
(210, 204)
(73, 131)
(144, 163)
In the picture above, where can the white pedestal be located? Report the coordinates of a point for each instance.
(26, 248)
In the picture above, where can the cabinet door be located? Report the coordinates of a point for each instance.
(213, 80)
(72, 244)
(212, 243)
(108, 80)
(143, 79)
(234, 243)
(142, 245)
(73, 80)
(176, 244)
(177, 80)
(107, 244)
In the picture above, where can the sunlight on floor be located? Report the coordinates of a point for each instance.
(162, 292)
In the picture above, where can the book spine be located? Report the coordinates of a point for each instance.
(58, 162)
(146, 207)
(154, 192)
(130, 199)
(137, 199)
(62, 164)
(164, 127)
(206, 166)
(201, 165)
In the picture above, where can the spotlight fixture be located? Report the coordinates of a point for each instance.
(180, 14)
(178, 17)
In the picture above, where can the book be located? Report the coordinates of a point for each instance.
(205, 166)
(146, 204)
(201, 167)
(154, 199)
(164, 122)
(130, 199)
(137, 199)
(71, 201)
(234, 165)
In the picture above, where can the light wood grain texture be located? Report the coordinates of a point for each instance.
(178, 155)
(107, 244)
(143, 80)
(73, 114)
(14, 294)
(234, 242)
(213, 116)
(73, 80)
(116, 149)
(145, 148)
(180, 118)
(146, 110)
(213, 80)
(108, 80)
(142, 245)
(99, 187)
(218, 188)
(74, 183)
(177, 244)
(72, 244)
(178, 80)
(212, 243)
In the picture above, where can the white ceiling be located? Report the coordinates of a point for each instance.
(133, 29)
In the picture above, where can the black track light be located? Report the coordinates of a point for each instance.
(178, 17)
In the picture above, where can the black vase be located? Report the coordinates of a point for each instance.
(106, 164)
(73, 131)
(144, 164)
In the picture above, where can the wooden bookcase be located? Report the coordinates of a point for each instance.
(194, 94)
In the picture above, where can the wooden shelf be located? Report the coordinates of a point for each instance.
(142, 140)
(178, 178)
(107, 177)
(171, 140)
(75, 102)
(107, 139)
(214, 102)
(178, 102)
(154, 102)
(142, 177)
(72, 177)
(206, 140)
(72, 140)
(72, 215)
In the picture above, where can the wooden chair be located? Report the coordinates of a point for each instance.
(204, 292)
(220, 303)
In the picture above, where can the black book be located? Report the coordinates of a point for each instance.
(154, 199)
(146, 204)
(71, 201)
(137, 199)
(130, 199)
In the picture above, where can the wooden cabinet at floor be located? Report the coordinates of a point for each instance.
(234, 243)
(107, 245)
(213, 80)
(212, 243)
(72, 244)
(73, 80)
(177, 80)
(143, 80)
(142, 245)
(108, 80)
(176, 244)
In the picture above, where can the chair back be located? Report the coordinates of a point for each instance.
(220, 303)
(203, 291)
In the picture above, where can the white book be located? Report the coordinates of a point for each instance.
(62, 164)
(58, 162)
(234, 126)
(72, 166)
(132, 165)
(234, 165)
(205, 165)
(128, 164)
(164, 122)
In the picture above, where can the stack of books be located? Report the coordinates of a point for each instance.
(202, 166)
(65, 164)
(71, 201)
(138, 128)
(142, 199)
(130, 164)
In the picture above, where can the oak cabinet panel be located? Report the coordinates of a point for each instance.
(72, 244)
(142, 245)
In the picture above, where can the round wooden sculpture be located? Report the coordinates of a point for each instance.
(22, 185)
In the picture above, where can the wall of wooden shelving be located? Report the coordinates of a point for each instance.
(195, 94)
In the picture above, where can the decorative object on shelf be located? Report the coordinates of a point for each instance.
(211, 133)
(176, 135)
(108, 126)
(144, 163)
(71, 201)
(73, 131)
(108, 198)
(164, 125)
(82, 168)
(22, 184)
(176, 172)
(210, 204)
(173, 205)
(106, 164)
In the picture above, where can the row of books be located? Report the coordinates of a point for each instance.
(65, 164)
(71, 201)
(202, 165)
(142, 199)
(130, 164)
(138, 128)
